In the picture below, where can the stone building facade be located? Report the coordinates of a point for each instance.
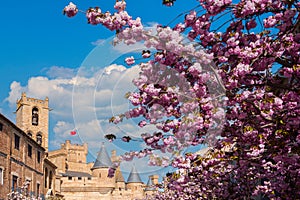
(21, 159)
(50, 178)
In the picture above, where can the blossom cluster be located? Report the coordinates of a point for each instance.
(233, 86)
(22, 193)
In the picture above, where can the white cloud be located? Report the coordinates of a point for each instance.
(152, 25)
(62, 127)
(112, 67)
(85, 102)
(15, 93)
(60, 72)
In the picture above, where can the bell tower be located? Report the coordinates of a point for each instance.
(32, 116)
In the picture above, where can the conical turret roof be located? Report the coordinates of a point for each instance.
(150, 185)
(134, 176)
(103, 159)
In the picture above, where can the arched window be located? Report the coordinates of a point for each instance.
(39, 138)
(35, 116)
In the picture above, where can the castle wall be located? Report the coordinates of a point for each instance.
(97, 188)
(137, 190)
(58, 157)
(82, 167)
(82, 195)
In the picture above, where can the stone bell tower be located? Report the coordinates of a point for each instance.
(32, 116)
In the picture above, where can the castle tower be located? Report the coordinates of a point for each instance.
(135, 184)
(100, 170)
(32, 116)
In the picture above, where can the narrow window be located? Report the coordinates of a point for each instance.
(39, 138)
(29, 150)
(38, 157)
(17, 142)
(50, 180)
(46, 177)
(14, 183)
(1, 176)
(27, 189)
(1, 127)
(37, 190)
(35, 117)
(69, 177)
(79, 178)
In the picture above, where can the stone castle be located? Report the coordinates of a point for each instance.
(63, 173)
(79, 180)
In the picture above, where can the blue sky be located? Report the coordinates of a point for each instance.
(42, 52)
(36, 36)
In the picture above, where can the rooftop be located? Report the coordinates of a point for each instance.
(134, 176)
(75, 174)
(103, 159)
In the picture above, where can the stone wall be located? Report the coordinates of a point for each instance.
(70, 157)
(19, 159)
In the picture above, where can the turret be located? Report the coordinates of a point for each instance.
(135, 184)
(100, 170)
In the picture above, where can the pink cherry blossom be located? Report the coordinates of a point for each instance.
(70, 10)
(130, 60)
